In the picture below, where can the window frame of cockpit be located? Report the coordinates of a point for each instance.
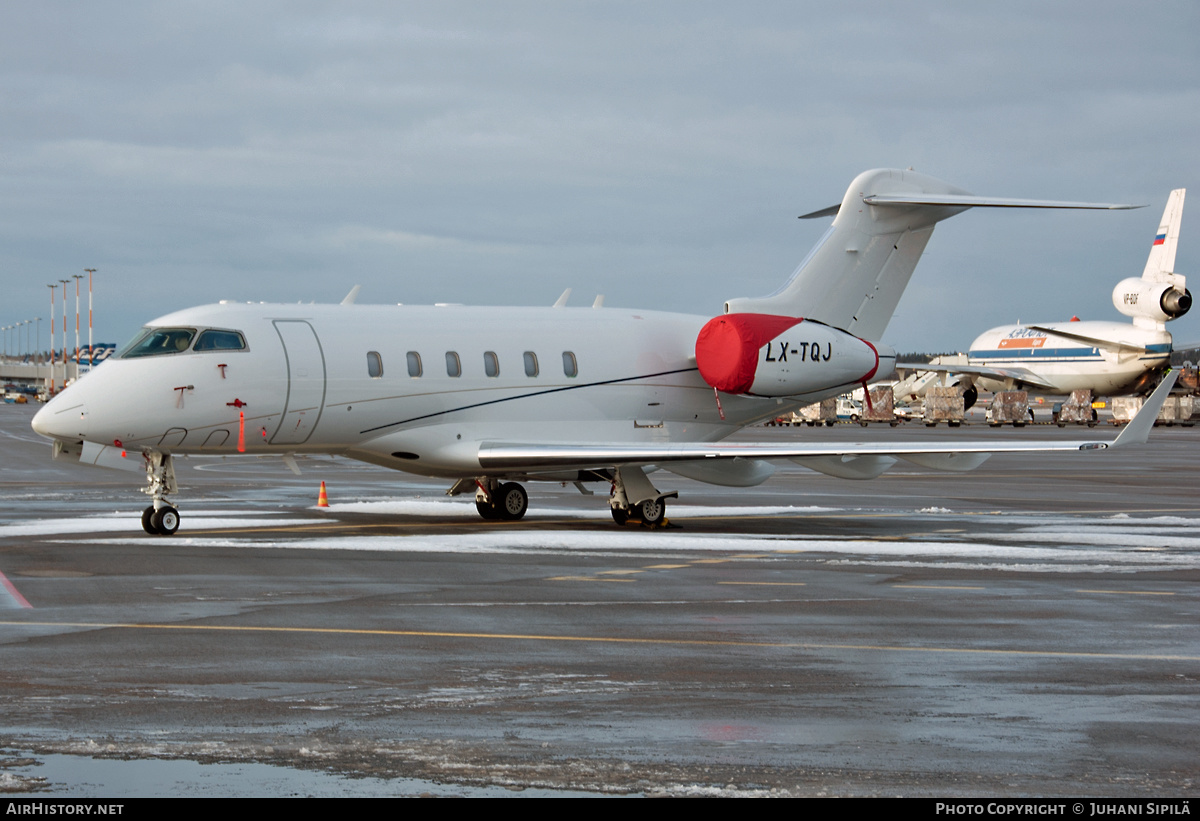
(195, 334)
(200, 333)
(146, 333)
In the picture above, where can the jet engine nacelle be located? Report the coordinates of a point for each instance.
(767, 355)
(1159, 301)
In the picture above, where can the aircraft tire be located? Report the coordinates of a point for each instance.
(970, 397)
(620, 515)
(653, 511)
(165, 520)
(487, 510)
(513, 501)
(146, 524)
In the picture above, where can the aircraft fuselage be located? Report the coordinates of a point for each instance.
(1071, 364)
(417, 388)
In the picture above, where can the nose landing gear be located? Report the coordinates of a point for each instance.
(161, 522)
(161, 518)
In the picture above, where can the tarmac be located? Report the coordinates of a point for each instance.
(1026, 629)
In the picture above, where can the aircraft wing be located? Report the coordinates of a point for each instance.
(505, 456)
(1019, 375)
(1123, 347)
(948, 455)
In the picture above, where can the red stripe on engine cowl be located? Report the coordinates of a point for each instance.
(874, 370)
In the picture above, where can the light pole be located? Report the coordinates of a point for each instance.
(77, 277)
(90, 271)
(64, 282)
(52, 287)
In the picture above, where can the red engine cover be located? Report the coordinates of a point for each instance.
(727, 347)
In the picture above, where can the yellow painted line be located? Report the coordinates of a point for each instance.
(345, 631)
(711, 561)
(935, 587)
(1130, 592)
(584, 579)
(618, 572)
(770, 584)
(666, 566)
(750, 556)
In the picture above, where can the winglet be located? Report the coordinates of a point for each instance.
(562, 300)
(1138, 429)
(353, 295)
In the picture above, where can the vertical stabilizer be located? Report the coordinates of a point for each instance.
(856, 274)
(1161, 263)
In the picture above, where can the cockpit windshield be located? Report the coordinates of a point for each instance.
(158, 342)
(214, 340)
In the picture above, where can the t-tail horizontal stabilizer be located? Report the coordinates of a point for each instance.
(855, 275)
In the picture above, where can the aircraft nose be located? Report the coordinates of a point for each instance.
(63, 417)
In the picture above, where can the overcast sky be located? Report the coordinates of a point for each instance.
(656, 152)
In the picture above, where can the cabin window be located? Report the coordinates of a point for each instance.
(531, 368)
(570, 366)
(491, 364)
(158, 342)
(453, 364)
(414, 363)
(214, 340)
(374, 364)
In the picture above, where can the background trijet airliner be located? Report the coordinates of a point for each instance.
(1101, 356)
(489, 397)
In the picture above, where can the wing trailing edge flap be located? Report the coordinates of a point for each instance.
(874, 465)
(725, 472)
(848, 467)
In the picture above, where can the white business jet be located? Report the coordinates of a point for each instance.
(1101, 356)
(490, 397)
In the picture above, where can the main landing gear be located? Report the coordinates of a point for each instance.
(496, 500)
(161, 518)
(633, 497)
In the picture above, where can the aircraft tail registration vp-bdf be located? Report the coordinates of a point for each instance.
(488, 398)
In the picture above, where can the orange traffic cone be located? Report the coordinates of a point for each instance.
(322, 499)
